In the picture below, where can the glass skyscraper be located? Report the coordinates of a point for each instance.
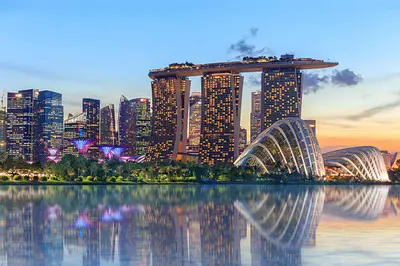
(281, 95)
(134, 125)
(21, 123)
(108, 133)
(220, 123)
(170, 118)
(194, 121)
(3, 128)
(92, 109)
(50, 118)
(255, 115)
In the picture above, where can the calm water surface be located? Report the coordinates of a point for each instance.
(199, 225)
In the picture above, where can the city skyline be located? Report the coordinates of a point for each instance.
(346, 112)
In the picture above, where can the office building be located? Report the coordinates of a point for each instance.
(92, 109)
(3, 129)
(75, 127)
(108, 133)
(280, 95)
(313, 125)
(194, 121)
(170, 116)
(21, 123)
(134, 125)
(49, 129)
(220, 125)
(255, 115)
(242, 140)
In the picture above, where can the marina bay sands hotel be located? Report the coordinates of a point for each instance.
(221, 92)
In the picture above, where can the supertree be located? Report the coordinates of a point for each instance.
(117, 152)
(82, 145)
(108, 151)
(53, 155)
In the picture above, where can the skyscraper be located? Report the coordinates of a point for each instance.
(3, 128)
(194, 121)
(220, 123)
(281, 94)
(21, 123)
(108, 134)
(242, 140)
(50, 118)
(75, 127)
(142, 119)
(134, 125)
(255, 115)
(170, 113)
(92, 109)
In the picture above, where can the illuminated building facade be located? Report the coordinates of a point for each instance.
(134, 125)
(242, 140)
(21, 124)
(50, 119)
(92, 109)
(3, 128)
(142, 124)
(194, 122)
(170, 116)
(75, 127)
(108, 133)
(281, 95)
(255, 115)
(220, 123)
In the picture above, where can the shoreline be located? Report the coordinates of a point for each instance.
(196, 183)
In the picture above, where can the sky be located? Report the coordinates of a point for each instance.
(105, 49)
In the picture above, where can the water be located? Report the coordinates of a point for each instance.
(199, 225)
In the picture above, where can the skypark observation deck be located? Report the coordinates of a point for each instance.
(247, 65)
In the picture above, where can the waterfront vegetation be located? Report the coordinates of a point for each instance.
(79, 170)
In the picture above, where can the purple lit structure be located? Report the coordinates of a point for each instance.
(108, 151)
(82, 222)
(53, 155)
(110, 215)
(82, 145)
(117, 151)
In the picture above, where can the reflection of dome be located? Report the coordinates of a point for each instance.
(290, 143)
(287, 218)
(361, 203)
(365, 162)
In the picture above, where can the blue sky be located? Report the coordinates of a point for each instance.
(103, 49)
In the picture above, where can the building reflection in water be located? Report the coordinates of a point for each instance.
(276, 223)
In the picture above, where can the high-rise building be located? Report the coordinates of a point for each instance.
(50, 118)
(92, 109)
(108, 134)
(313, 125)
(281, 95)
(75, 127)
(142, 119)
(170, 116)
(255, 115)
(134, 125)
(220, 125)
(21, 123)
(194, 121)
(242, 140)
(3, 129)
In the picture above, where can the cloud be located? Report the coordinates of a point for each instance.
(254, 80)
(373, 111)
(345, 78)
(313, 82)
(242, 48)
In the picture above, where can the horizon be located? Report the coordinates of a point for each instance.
(107, 50)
